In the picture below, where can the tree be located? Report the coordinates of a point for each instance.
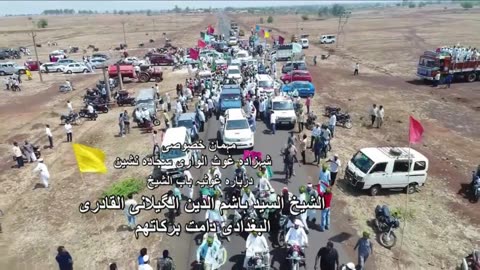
(421, 4)
(324, 11)
(177, 9)
(187, 9)
(338, 10)
(120, 12)
(115, 12)
(412, 5)
(466, 5)
(270, 19)
(42, 23)
(305, 17)
(149, 12)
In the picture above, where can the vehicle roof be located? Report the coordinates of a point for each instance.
(187, 116)
(98, 59)
(231, 90)
(50, 63)
(264, 77)
(295, 62)
(8, 63)
(174, 135)
(233, 37)
(235, 114)
(301, 82)
(378, 154)
(145, 94)
(280, 98)
(233, 67)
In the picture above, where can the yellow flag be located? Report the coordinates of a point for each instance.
(89, 159)
(267, 34)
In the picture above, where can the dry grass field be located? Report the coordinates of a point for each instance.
(36, 221)
(442, 226)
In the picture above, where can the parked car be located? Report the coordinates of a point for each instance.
(303, 88)
(295, 65)
(65, 62)
(9, 68)
(296, 75)
(232, 41)
(52, 67)
(186, 120)
(162, 59)
(75, 68)
(98, 62)
(134, 61)
(233, 72)
(328, 39)
(304, 43)
(33, 65)
(100, 55)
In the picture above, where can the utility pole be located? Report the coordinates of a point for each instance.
(341, 24)
(119, 76)
(107, 84)
(154, 30)
(36, 54)
(124, 35)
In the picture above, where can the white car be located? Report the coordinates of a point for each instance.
(233, 41)
(233, 72)
(52, 67)
(304, 43)
(265, 85)
(284, 111)
(98, 62)
(243, 56)
(75, 68)
(134, 61)
(236, 130)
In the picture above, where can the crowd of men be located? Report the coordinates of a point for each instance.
(460, 53)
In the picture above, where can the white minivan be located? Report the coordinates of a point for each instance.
(328, 39)
(304, 42)
(379, 168)
(265, 85)
(236, 130)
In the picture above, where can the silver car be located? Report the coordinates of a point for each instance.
(9, 68)
(98, 63)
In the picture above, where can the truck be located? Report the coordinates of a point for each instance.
(127, 71)
(433, 62)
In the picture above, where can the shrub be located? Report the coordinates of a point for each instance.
(466, 5)
(402, 214)
(305, 17)
(270, 19)
(412, 5)
(125, 187)
(421, 4)
(42, 23)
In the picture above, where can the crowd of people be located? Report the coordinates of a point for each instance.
(460, 53)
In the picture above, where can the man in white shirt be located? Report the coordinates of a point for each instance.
(68, 129)
(316, 132)
(49, 135)
(18, 155)
(355, 72)
(262, 108)
(189, 178)
(44, 174)
(264, 185)
(255, 243)
(273, 120)
(69, 107)
(296, 235)
(131, 219)
(335, 165)
(146, 264)
(380, 116)
(373, 113)
(332, 122)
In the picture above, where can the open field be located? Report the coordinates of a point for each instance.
(36, 221)
(442, 225)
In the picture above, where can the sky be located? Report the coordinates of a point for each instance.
(36, 7)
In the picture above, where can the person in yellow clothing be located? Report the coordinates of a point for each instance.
(29, 74)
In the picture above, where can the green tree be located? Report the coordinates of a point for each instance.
(338, 10)
(187, 9)
(149, 12)
(466, 5)
(270, 19)
(42, 23)
(305, 17)
(120, 12)
(177, 9)
(115, 12)
(421, 4)
(412, 5)
(324, 11)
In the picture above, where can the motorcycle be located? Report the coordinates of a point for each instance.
(331, 109)
(472, 261)
(295, 257)
(85, 114)
(219, 260)
(65, 88)
(259, 261)
(311, 118)
(344, 120)
(71, 118)
(102, 107)
(386, 224)
(475, 186)
(283, 222)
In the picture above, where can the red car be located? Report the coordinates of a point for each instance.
(161, 59)
(32, 65)
(296, 75)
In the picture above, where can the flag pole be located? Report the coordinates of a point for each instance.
(406, 197)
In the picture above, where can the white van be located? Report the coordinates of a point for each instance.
(304, 42)
(284, 110)
(265, 85)
(387, 168)
(328, 39)
(171, 137)
(236, 130)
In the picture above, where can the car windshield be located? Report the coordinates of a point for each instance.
(233, 71)
(241, 55)
(265, 84)
(172, 154)
(362, 162)
(282, 105)
(230, 97)
(185, 123)
(237, 124)
(427, 62)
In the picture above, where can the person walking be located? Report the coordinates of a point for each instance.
(380, 116)
(29, 152)
(43, 170)
(332, 122)
(126, 122)
(365, 248)
(324, 175)
(64, 259)
(328, 256)
(301, 121)
(303, 148)
(449, 79)
(165, 262)
(327, 197)
(316, 133)
(168, 101)
(68, 129)
(373, 113)
(166, 118)
(18, 155)
(48, 132)
(273, 120)
(315, 60)
(355, 72)
(121, 125)
(201, 117)
(307, 103)
(335, 165)
(69, 107)
(131, 219)
(317, 150)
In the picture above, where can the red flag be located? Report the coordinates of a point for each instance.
(416, 131)
(210, 30)
(281, 40)
(194, 54)
(201, 43)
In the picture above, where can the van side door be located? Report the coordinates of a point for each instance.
(400, 171)
(378, 175)
(419, 172)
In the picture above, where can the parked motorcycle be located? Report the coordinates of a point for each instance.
(71, 118)
(123, 98)
(475, 186)
(311, 118)
(85, 114)
(385, 224)
(331, 109)
(344, 120)
(295, 258)
(100, 107)
(259, 262)
(65, 88)
(472, 261)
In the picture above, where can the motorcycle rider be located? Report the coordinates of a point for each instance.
(214, 214)
(138, 116)
(303, 198)
(240, 172)
(207, 252)
(248, 197)
(263, 184)
(213, 173)
(256, 244)
(146, 115)
(296, 236)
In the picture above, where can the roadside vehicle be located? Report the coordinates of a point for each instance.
(100, 55)
(232, 41)
(265, 85)
(304, 42)
(328, 39)
(230, 98)
(236, 130)
(379, 168)
(284, 110)
(98, 62)
(65, 62)
(431, 63)
(127, 71)
(161, 60)
(296, 75)
(52, 67)
(284, 52)
(134, 61)
(146, 99)
(295, 65)
(32, 65)
(221, 64)
(186, 120)
(75, 68)
(234, 72)
(303, 88)
(9, 68)
(243, 56)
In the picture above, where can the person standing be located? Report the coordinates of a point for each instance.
(201, 117)
(332, 122)
(373, 113)
(44, 174)
(48, 132)
(29, 152)
(68, 129)
(273, 120)
(154, 137)
(355, 72)
(380, 116)
(327, 196)
(189, 179)
(303, 148)
(365, 248)
(316, 133)
(301, 121)
(315, 60)
(335, 164)
(165, 262)
(328, 256)
(324, 175)
(307, 103)
(166, 118)
(168, 101)
(121, 125)
(131, 219)
(18, 155)
(126, 122)
(64, 259)
(449, 79)
(436, 80)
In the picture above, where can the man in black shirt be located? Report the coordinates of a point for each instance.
(65, 261)
(328, 258)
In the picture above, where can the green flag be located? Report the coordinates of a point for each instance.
(202, 35)
(269, 172)
(296, 48)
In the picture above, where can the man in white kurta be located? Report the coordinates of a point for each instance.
(255, 244)
(44, 174)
